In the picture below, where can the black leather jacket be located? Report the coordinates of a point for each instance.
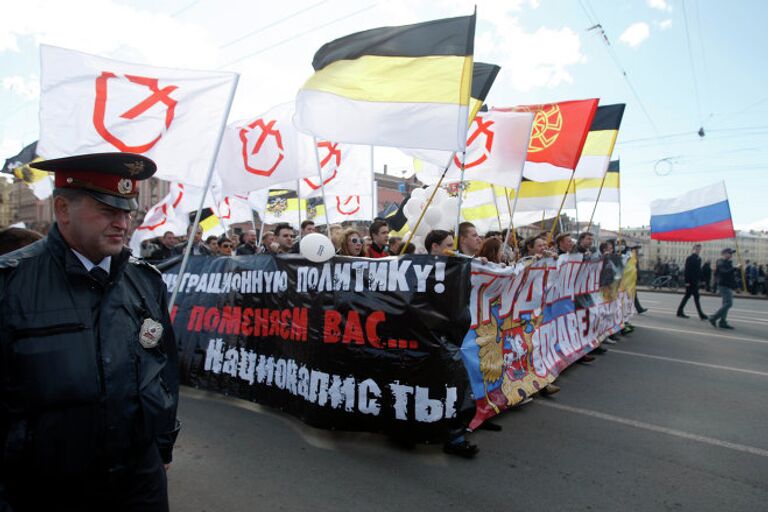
(78, 392)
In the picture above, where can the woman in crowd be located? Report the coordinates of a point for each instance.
(351, 243)
(225, 246)
(491, 250)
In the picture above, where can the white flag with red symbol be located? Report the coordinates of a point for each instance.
(162, 217)
(345, 167)
(90, 104)
(259, 152)
(497, 145)
(234, 210)
(344, 208)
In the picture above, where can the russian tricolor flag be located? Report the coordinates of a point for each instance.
(699, 215)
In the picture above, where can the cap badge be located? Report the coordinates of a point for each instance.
(135, 168)
(150, 334)
(125, 186)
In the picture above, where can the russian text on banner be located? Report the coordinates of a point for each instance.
(696, 216)
(349, 344)
(90, 104)
(404, 86)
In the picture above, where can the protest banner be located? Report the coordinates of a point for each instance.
(349, 344)
(531, 322)
(398, 345)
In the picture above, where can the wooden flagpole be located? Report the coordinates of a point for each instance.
(426, 206)
(594, 208)
(461, 197)
(551, 234)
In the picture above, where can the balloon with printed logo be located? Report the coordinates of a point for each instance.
(316, 247)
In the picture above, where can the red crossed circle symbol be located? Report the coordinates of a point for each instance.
(350, 206)
(333, 153)
(158, 95)
(483, 128)
(163, 210)
(267, 130)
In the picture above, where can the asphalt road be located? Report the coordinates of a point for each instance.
(673, 417)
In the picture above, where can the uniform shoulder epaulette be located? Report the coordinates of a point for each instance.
(144, 264)
(12, 259)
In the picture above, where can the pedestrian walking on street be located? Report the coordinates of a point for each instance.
(692, 274)
(726, 282)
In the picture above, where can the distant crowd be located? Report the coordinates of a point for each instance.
(754, 274)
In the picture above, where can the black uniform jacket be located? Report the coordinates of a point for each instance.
(78, 393)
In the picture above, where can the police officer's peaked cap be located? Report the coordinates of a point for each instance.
(108, 177)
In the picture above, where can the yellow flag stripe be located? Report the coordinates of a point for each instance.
(432, 79)
(600, 143)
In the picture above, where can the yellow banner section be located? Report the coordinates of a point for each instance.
(432, 79)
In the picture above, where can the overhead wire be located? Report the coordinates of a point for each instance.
(594, 20)
(693, 67)
(296, 36)
(274, 23)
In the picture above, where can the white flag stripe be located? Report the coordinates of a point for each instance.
(692, 200)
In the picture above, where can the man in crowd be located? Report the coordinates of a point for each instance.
(307, 227)
(268, 244)
(726, 283)
(168, 247)
(88, 414)
(213, 244)
(198, 247)
(692, 276)
(284, 237)
(469, 239)
(248, 246)
(379, 232)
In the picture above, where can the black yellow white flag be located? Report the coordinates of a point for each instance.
(406, 86)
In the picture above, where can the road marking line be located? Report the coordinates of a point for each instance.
(656, 428)
(730, 317)
(702, 333)
(685, 361)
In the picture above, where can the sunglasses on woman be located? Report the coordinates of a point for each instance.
(356, 240)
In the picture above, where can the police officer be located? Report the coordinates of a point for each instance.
(88, 362)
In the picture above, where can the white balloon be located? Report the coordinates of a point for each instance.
(441, 196)
(450, 206)
(413, 206)
(418, 241)
(316, 247)
(423, 228)
(428, 191)
(433, 216)
(418, 193)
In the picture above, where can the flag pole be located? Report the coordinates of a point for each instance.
(511, 217)
(551, 234)
(426, 205)
(374, 207)
(741, 263)
(496, 205)
(322, 187)
(208, 179)
(261, 227)
(461, 196)
(576, 205)
(298, 199)
(619, 191)
(594, 208)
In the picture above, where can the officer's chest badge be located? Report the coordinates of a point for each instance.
(150, 334)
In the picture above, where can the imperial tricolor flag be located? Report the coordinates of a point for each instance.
(696, 216)
(404, 86)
